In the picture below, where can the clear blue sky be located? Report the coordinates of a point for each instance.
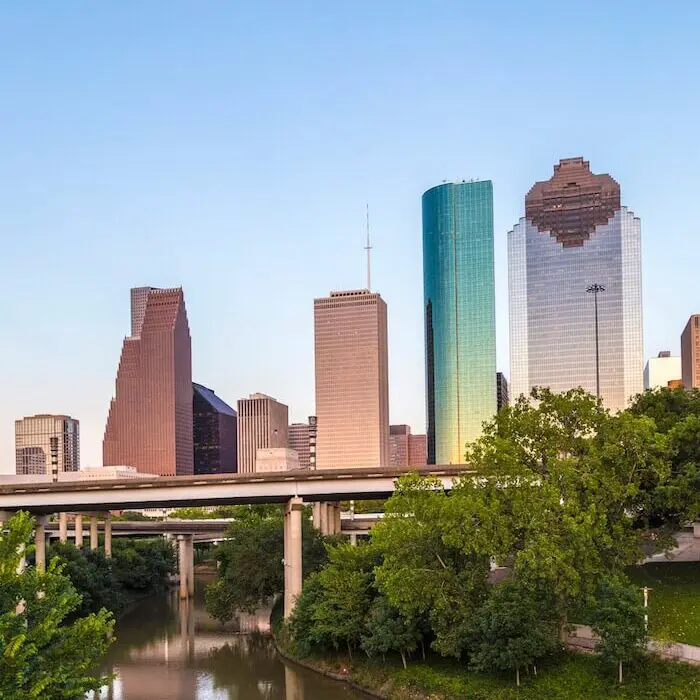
(230, 148)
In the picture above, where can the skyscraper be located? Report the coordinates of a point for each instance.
(460, 316)
(214, 433)
(406, 449)
(352, 380)
(661, 370)
(576, 237)
(502, 395)
(262, 423)
(149, 425)
(690, 353)
(45, 441)
(300, 437)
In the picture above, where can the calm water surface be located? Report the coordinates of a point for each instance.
(168, 649)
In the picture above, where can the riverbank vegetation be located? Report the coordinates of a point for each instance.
(48, 646)
(138, 568)
(563, 499)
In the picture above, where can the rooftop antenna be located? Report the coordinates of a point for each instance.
(368, 248)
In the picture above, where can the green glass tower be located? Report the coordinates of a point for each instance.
(460, 316)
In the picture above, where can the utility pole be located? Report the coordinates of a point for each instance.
(596, 289)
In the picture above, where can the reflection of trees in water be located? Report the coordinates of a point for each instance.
(247, 667)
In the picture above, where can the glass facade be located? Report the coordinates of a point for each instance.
(552, 317)
(44, 439)
(214, 425)
(460, 316)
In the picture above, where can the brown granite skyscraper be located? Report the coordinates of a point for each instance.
(690, 353)
(352, 380)
(149, 425)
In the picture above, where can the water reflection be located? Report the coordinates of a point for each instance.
(168, 649)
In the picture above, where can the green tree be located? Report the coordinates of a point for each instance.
(301, 624)
(422, 573)
(676, 414)
(143, 565)
(251, 567)
(618, 618)
(92, 576)
(345, 596)
(515, 627)
(388, 630)
(42, 653)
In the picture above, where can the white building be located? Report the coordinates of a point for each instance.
(276, 459)
(661, 370)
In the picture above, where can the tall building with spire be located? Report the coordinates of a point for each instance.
(460, 316)
(352, 380)
(576, 238)
(149, 425)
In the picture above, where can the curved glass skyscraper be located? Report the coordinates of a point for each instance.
(460, 316)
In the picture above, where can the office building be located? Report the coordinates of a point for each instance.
(406, 449)
(661, 370)
(46, 444)
(352, 380)
(214, 430)
(149, 425)
(690, 353)
(460, 316)
(502, 394)
(577, 250)
(301, 438)
(275, 459)
(262, 423)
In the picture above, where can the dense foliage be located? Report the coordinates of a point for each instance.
(47, 650)
(251, 570)
(562, 498)
(137, 568)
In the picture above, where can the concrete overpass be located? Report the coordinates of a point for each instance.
(293, 489)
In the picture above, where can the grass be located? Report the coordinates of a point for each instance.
(565, 677)
(674, 601)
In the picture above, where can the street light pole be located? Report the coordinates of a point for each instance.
(595, 289)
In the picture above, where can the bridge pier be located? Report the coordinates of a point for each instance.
(292, 553)
(63, 527)
(94, 538)
(78, 525)
(186, 565)
(108, 535)
(336, 519)
(40, 542)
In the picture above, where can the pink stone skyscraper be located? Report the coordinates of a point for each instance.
(149, 425)
(352, 380)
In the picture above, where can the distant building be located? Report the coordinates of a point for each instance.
(149, 425)
(87, 474)
(45, 441)
(313, 432)
(214, 433)
(576, 237)
(690, 353)
(661, 370)
(502, 395)
(352, 380)
(675, 384)
(275, 459)
(300, 437)
(262, 423)
(460, 316)
(405, 449)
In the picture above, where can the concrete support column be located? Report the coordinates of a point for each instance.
(182, 562)
(353, 539)
(94, 537)
(78, 530)
(325, 518)
(108, 535)
(63, 527)
(337, 523)
(293, 563)
(316, 511)
(190, 565)
(40, 542)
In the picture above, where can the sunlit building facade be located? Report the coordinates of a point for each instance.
(575, 234)
(149, 425)
(460, 316)
(45, 441)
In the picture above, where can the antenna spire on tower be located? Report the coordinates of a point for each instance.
(368, 248)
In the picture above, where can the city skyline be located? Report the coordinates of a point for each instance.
(151, 167)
